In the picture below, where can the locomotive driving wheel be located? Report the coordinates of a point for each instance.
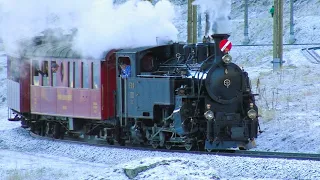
(208, 150)
(154, 145)
(188, 146)
(168, 146)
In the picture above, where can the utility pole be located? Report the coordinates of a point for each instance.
(199, 27)
(246, 26)
(291, 38)
(189, 22)
(207, 26)
(278, 35)
(194, 24)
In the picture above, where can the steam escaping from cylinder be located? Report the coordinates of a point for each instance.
(218, 12)
(98, 25)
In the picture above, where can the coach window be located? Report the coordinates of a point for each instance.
(45, 78)
(35, 73)
(96, 75)
(85, 75)
(77, 68)
(54, 69)
(71, 74)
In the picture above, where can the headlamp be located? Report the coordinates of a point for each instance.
(252, 114)
(227, 59)
(209, 115)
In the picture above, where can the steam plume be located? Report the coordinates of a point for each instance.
(219, 11)
(101, 25)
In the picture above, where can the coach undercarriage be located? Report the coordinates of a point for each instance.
(137, 134)
(106, 132)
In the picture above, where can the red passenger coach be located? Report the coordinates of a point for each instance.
(56, 82)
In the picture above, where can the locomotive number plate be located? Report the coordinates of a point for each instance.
(131, 85)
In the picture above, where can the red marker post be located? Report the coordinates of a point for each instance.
(225, 45)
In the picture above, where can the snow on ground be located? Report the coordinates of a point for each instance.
(288, 100)
(23, 157)
(288, 105)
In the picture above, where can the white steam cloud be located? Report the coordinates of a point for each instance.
(101, 25)
(219, 12)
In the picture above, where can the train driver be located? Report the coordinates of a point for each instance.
(125, 70)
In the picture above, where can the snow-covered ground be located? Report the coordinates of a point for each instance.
(288, 105)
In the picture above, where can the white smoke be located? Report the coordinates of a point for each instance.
(134, 23)
(101, 25)
(219, 12)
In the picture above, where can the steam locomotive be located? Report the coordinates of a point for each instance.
(178, 95)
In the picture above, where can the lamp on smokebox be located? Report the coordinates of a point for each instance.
(225, 46)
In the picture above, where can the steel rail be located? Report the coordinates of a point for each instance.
(228, 153)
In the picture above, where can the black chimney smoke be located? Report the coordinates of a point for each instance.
(218, 53)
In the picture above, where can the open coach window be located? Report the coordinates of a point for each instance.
(54, 69)
(35, 73)
(45, 78)
(96, 75)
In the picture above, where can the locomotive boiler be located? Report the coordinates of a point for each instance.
(177, 95)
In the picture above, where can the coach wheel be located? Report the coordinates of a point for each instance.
(110, 141)
(122, 142)
(43, 128)
(168, 146)
(188, 146)
(155, 145)
(56, 130)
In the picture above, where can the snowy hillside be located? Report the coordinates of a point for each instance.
(306, 18)
(288, 102)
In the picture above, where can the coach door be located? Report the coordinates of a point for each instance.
(108, 86)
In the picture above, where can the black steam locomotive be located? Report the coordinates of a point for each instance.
(185, 95)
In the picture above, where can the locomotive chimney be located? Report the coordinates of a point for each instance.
(218, 53)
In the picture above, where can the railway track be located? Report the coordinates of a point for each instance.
(311, 54)
(229, 153)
